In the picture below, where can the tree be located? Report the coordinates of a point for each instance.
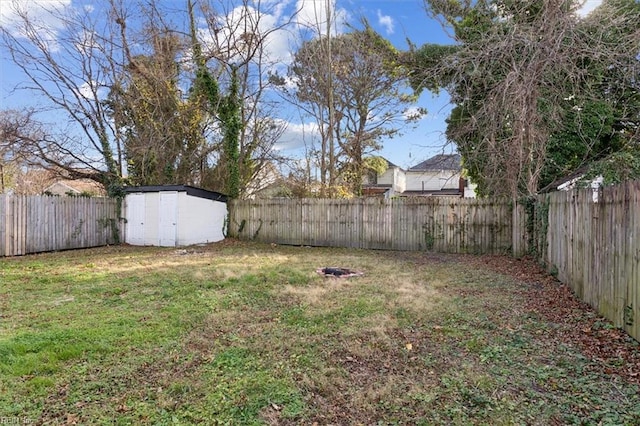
(14, 126)
(232, 126)
(234, 52)
(24, 141)
(529, 82)
(134, 98)
(68, 66)
(161, 130)
(600, 119)
(356, 96)
(504, 79)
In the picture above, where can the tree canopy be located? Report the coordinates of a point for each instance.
(147, 101)
(353, 85)
(538, 91)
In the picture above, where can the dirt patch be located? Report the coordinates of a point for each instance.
(335, 272)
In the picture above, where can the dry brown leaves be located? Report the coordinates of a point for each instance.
(614, 350)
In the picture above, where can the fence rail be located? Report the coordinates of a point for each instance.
(32, 224)
(448, 224)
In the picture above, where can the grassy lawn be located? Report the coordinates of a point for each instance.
(244, 334)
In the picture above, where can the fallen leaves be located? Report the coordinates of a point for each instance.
(575, 321)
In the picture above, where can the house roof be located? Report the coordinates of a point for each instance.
(77, 186)
(439, 162)
(389, 163)
(190, 190)
(565, 180)
(60, 187)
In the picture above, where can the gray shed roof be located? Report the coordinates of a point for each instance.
(190, 190)
(439, 162)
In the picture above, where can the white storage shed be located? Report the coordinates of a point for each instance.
(173, 215)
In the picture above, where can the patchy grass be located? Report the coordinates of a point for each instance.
(239, 333)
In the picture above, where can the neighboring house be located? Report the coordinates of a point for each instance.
(437, 176)
(575, 180)
(36, 181)
(75, 187)
(264, 182)
(389, 183)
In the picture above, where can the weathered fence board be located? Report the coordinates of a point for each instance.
(447, 224)
(32, 224)
(594, 247)
(520, 232)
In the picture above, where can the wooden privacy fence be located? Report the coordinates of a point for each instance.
(594, 247)
(32, 224)
(447, 224)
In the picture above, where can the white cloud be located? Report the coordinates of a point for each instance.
(271, 22)
(312, 15)
(413, 113)
(278, 41)
(290, 83)
(86, 90)
(588, 6)
(44, 12)
(279, 6)
(90, 90)
(297, 135)
(44, 15)
(386, 21)
(241, 21)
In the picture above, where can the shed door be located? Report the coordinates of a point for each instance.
(168, 221)
(135, 219)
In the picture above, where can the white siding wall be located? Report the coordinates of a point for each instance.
(200, 220)
(395, 177)
(400, 180)
(433, 181)
(171, 218)
(387, 178)
(470, 190)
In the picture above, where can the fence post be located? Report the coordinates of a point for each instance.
(4, 225)
(519, 230)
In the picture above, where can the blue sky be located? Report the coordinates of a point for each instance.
(398, 20)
